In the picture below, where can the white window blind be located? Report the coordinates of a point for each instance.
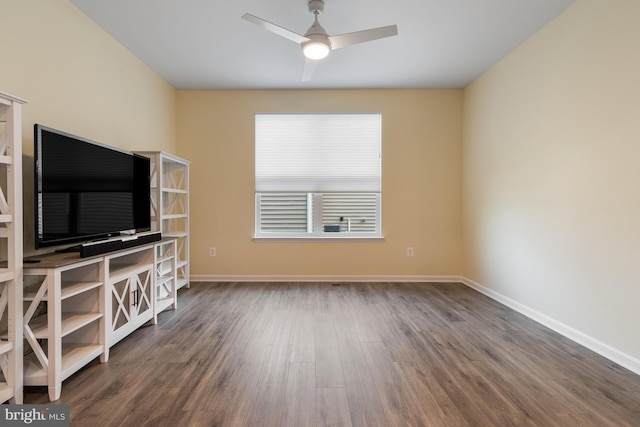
(318, 152)
(284, 213)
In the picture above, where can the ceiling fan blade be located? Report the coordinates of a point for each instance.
(343, 40)
(309, 67)
(294, 37)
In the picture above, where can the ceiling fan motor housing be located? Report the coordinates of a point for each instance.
(316, 29)
(318, 44)
(316, 6)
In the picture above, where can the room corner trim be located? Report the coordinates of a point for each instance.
(579, 337)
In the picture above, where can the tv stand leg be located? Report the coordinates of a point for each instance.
(54, 392)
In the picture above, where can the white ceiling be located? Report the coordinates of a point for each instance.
(204, 44)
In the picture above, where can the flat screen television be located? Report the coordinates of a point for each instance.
(86, 191)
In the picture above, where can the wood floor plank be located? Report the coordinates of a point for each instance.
(390, 387)
(359, 354)
(435, 407)
(304, 338)
(299, 409)
(364, 405)
(328, 363)
(333, 408)
(263, 404)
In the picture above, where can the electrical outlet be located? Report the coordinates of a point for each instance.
(409, 251)
(212, 251)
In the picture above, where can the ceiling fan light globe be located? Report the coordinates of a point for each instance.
(316, 50)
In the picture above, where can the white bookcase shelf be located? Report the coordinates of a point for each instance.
(11, 347)
(170, 205)
(67, 289)
(5, 347)
(63, 318)
(165, 277)
(70, 322)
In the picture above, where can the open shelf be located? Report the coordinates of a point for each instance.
(174, 190)
(122, 271)
(68, 290)
(163, 256)
(6, 275)
(175, 216)
(163, 304)
(34, 374)
(161, 280)
(5, 347)
(30, 294)
(70, 322)
(129, 263)
(6, 392)
(175, 234)
(74, 357)
(164, 268)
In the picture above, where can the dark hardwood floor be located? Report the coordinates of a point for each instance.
(359, 354)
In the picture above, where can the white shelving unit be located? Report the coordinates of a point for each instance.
(170, 205)
(165, 280)
(11, 338)
(63, 320)
(77, 308)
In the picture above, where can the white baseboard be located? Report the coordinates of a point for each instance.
(581, 338)
(321, 278)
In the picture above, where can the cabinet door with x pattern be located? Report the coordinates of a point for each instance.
(130, 292)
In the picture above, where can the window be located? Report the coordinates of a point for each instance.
(318, 175)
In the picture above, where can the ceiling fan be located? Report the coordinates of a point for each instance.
(316, 43)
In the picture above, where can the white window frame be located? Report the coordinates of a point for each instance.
(314, 206)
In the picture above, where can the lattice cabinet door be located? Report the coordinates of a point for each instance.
(142, 293)
(121, 301)
(11, 346)
(130, 293)
(131, 300)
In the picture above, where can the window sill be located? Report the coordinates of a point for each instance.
(368, 239)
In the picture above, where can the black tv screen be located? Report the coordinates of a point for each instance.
(87, 191)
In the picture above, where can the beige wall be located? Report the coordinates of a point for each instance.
(552, 175)
(80, 80)
(421, 182)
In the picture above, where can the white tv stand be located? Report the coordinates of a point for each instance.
(77, 308)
